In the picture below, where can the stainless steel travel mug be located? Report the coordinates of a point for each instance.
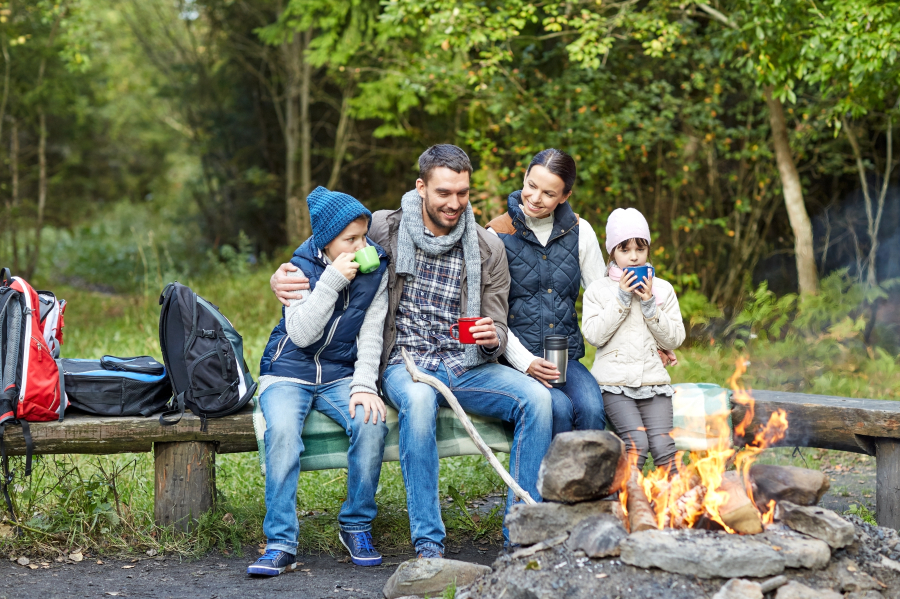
(556, 350)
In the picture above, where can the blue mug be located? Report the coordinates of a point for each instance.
(641, 272)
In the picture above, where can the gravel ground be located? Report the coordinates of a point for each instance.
(215, 576)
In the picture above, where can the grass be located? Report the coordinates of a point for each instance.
(105, 503)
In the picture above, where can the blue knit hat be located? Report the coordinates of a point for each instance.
(330, 212)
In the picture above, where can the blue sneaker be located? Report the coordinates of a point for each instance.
(359, 544)
(272, 563)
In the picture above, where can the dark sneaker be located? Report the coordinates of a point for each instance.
(272, 563)
(359, 544)
(430, 553)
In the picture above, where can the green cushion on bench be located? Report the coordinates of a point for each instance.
(326, 443)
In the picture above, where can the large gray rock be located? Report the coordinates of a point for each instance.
(851, 578)
(530, 524)
(795, 590)
(583, 465)
(799, 551)
(701, 553)
(738, 588)
(420, 577)
(787, 483)
(598, 536)
(816, 522)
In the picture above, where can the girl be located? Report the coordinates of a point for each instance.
(629, 321)
(551, 254)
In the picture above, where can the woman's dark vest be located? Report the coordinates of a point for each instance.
(544, 280)
(333, 356)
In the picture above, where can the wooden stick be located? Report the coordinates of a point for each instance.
(419, 377)
(640, 516)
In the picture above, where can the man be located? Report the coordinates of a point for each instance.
(433, 242)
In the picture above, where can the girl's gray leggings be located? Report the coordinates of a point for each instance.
(644, 424)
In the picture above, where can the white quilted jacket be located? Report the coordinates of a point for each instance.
(627, 342)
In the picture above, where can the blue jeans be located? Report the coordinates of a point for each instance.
(577, 405)
(489, 390)
(285, 406)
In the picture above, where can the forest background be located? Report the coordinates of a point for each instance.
(143, 141)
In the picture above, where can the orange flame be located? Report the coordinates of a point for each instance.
(681, 497)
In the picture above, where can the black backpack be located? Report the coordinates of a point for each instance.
(115, 386)
(204, 357)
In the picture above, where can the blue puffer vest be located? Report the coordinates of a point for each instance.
(544, 280)
(333, 356)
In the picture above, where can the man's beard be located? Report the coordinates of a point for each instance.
(436, 216)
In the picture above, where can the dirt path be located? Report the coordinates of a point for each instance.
(215, 576)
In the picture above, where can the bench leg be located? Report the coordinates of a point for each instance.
(887, 491)
(185, 482)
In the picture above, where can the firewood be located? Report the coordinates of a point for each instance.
(738, 512)
(640, 516)
(688, 507)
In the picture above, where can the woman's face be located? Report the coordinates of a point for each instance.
(632, 255)
(542, 192)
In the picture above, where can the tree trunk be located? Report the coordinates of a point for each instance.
(341, 137)
(14, 195)
(296, 136)
(793, 198)
(305, 132)
(42, 194)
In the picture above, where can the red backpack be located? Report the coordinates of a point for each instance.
(32, 388)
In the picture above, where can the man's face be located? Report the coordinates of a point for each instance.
(444, 199)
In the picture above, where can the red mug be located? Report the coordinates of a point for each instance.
(464, 329)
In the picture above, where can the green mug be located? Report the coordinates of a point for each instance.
(367, 258)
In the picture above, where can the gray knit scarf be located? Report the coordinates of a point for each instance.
(412, 235)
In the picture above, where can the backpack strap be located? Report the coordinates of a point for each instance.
(7, 477)
(164, 418)
(63, 400)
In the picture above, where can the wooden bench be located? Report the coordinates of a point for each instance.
(185, 457)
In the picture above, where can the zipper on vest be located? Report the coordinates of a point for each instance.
(280, 347)
(321, 349)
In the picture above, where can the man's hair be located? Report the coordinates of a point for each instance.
(443, 155)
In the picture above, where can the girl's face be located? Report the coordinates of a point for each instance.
(632, 255)
(542, 192)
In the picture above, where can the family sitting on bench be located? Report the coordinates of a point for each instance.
(351, 311)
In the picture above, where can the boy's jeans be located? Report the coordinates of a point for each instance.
(489, 390)
(285, 406)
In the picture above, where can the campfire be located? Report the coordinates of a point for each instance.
(705, 492)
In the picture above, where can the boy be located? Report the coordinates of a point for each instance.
(324, 355)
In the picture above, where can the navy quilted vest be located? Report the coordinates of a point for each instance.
(544, 280)
(333, 356)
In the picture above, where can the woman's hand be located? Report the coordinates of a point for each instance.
(645, 289)
(346, 266)
(372, 404)
(543, 371)
(287, 287)
(628, 282)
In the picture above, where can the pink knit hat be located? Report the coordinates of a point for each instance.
(624, 225)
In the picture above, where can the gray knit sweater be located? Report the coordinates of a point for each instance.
(306, 318)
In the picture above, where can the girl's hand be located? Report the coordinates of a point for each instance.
(644, 290)
(628, 282)
(543, 371)
(346, 266)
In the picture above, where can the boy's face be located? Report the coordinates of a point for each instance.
(350, 240)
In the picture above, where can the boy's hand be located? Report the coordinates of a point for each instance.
(485, 333)
(346, 266)
(285, 286)
(543, 371)
(629, 281)
(372, 405)
(645, 289)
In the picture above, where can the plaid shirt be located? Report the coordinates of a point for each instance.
(428, 307)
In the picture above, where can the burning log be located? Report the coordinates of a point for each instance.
(738, 512)
(640, 515)
(688, 507)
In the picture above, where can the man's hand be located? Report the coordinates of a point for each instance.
(287, 287)
(543, 371)
(485, 333)
(346, 266)
(372, 405)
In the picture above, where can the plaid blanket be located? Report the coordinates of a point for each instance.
(326, 443)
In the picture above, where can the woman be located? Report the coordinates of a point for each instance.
(552, 254)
